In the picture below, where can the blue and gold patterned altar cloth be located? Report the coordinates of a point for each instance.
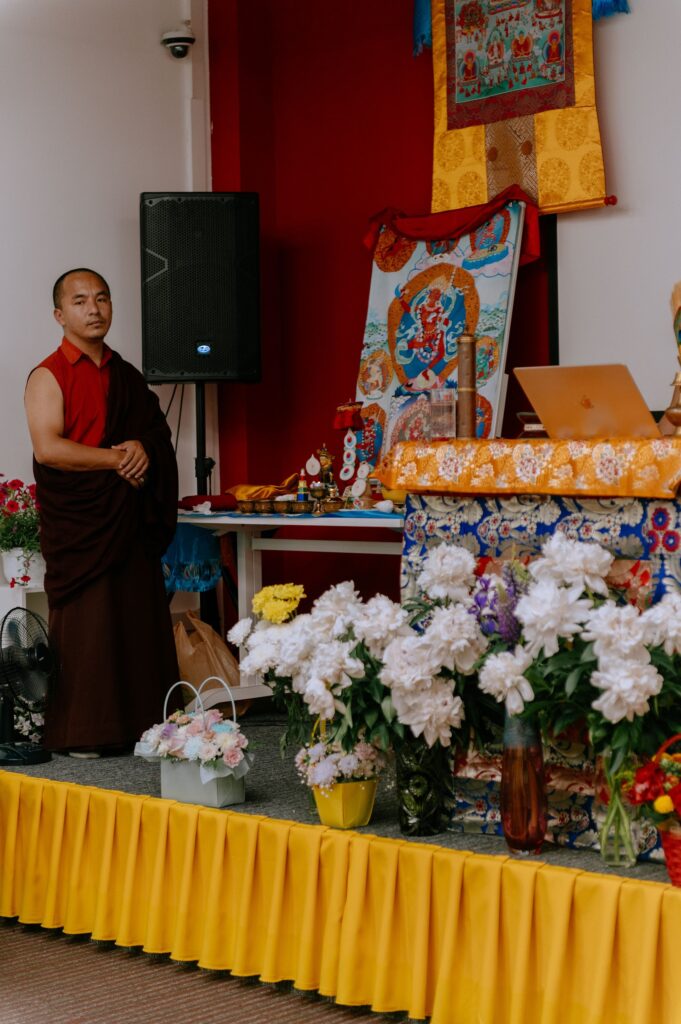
(602, 468)
(631, 528)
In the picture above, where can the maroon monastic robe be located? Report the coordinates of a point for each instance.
(109, 618)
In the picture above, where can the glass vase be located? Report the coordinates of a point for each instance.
(425, 787)
(614, 818)
(523, 789)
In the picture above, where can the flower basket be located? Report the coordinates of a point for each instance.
(203, 757)
(670, 838)
(346, 804)
(670, 831)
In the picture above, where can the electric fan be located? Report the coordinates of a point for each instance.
(26, 669)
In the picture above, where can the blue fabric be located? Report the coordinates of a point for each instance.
(423, 35)
(632, 528)
(192, 562)
(603, 8)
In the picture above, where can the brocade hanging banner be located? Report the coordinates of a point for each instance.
(515, 103)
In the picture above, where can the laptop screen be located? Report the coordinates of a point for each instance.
(580, 402)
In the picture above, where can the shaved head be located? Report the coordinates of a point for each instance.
(58, 289)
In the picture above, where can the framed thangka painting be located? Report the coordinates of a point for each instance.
(515, 103)
(423, 296)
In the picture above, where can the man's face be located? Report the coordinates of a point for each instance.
(85, 312)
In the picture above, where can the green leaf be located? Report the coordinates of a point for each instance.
(387, 708)
(572, 680)
(371, 717)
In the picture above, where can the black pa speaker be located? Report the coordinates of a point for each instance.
(200, 286)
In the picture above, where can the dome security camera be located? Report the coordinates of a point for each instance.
(178, 43)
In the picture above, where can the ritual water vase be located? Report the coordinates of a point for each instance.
(523, 789)
(425, 787)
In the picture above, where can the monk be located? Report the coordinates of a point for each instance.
(106, 484)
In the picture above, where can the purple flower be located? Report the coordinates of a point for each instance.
(168, 730)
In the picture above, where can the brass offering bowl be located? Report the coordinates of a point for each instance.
(246, 506)
(317, 490)
(283, 507)
(333, 504)
(301, 507)
(264, 505)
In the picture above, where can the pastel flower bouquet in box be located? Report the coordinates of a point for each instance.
(203, 739)
(206, 737)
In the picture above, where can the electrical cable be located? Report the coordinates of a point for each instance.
(172, 399)
(179, 418)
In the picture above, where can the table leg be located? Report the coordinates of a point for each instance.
(249, 582)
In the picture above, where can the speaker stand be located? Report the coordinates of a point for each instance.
(203, 467)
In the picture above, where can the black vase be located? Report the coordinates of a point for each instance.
(425, 787)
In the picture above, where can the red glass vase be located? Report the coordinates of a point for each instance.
(523, 789)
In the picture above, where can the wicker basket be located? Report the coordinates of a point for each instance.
(671, 844)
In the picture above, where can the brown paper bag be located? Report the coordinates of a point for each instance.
(204, 653)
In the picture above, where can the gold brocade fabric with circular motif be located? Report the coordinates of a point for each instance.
(555, 157)
(608, 468)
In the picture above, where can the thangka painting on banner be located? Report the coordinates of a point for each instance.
(515, 103)
(423, 296)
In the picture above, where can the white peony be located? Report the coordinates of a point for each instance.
(662, 623)
(627, 687)
(455, 638)
(502, 677)
(433, 712)
(410, 662)
(448, 573)
(548, 612)
(336, 609)
(319, 698)
(238, 633)
(381, 620)
(573, 562)
(617, 631)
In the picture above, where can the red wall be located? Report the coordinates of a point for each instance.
(323, 110)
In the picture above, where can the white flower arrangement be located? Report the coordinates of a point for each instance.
(206, 737)
(545, 639)
(323, 764)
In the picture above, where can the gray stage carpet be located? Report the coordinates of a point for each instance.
(273, 789)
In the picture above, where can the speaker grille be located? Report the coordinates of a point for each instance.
(200, 286)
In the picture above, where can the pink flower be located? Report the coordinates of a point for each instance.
(195, 727)
(232, 757)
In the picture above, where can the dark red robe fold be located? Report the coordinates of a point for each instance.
(102, 541)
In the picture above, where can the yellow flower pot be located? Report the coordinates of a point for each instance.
(347, 804)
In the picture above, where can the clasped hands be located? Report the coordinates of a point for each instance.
(134, 464)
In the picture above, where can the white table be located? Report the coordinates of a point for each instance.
(250, 544)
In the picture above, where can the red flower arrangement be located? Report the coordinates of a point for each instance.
(19, 522)
(656, 787)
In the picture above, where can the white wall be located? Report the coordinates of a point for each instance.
(617, 265)
(93, 111)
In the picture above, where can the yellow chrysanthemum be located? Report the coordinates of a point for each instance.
(267, 601)
(663, 804)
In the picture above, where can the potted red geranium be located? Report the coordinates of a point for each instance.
(22, 562)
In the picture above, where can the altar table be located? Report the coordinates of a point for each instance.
(253, 536)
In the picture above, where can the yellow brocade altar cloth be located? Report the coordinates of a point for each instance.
(608, 468)
(398, 926)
